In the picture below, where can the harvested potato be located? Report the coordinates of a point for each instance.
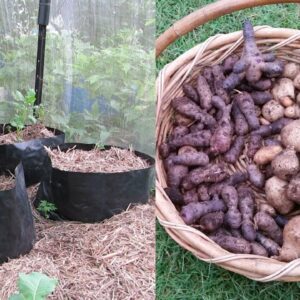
(272, 111)
(284, 87)
(182, 120)
(254, 144)
(293, 189)
(275, 189)
(285, 164)
(297, 81)
(263, 121)
(232, 244)
(271, 246)
(211, 221)
(256, 177)
(267, 208)
(292, 112)
(291, 70)
(175, 175)
(291, 241)
(187, 149)
(190, 196)
(266, 154)
(286, 101)
(258, 249)
(290, 135)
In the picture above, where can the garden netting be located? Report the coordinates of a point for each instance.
(99, 68)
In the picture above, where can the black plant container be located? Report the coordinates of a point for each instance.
(93, 197)
(31, 153)
(17, 234)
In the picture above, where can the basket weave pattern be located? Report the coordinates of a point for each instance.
(286, 44)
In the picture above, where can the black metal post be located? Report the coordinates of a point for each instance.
(43, 21)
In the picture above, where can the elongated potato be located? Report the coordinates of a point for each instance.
(266, 154)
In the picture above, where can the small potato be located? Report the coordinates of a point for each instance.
(286, 101)
(291, 70)
(285, 164)
(266, 154)
(275, 189)
(297, 81)
(283, 88)
(290, 135)
(292, 112)
(263, 121)
(272, 111)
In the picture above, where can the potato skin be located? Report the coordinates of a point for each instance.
(284, 87)
(285, 164)
(275, 189)
(266, 154)
(272, 111)
(293, 189)
(290, 135)
(291, 70)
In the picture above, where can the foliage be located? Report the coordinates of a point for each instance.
(34, 286)
(94, 94)
(46, 208)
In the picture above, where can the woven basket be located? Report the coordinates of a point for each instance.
(286, 44)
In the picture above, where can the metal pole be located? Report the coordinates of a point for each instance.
(43, 21)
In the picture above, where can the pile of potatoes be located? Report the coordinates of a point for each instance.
(248, 106)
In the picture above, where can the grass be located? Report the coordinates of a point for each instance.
(179, 275)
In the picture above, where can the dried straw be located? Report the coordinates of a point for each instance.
(114, 160)
(6, 182)
(36, 131)
(111, 260)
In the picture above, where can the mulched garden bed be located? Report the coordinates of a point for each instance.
(111, 260)
(36, 131)
(114, 160)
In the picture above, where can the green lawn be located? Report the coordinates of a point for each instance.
(179, 274)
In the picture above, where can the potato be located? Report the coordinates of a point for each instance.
(292, 112)
(297, 81)
(267, 209)
(263, 121)
(182, 120)
(293, 189)
(290, 135)
(283, 88)
(275, 189)
(285, 164)
(286, 101)
(266, 154)
(272, 111)
(291, 70)
(291, 241)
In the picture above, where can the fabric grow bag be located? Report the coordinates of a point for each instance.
(35, 160)
(17, 234)
(93, 197)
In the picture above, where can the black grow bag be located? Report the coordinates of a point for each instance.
(93, 197)
(34, 157)
(17, 232)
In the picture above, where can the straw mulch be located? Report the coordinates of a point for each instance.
(111, 260)
(6, 182)
(36, 131)
(114, 160)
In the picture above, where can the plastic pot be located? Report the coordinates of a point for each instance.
(17, 234)
(93, 197)
(31, 153)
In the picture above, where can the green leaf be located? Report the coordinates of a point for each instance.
(36, 286)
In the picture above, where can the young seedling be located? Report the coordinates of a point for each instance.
(46, 208)
(26, 112)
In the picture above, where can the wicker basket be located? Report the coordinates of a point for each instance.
(286, 44)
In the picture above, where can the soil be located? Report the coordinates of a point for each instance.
(6, 182)
(31, 132)
(114, 160)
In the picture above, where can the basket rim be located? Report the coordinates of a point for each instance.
(254, 267)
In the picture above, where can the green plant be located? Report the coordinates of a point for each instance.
(46, 208)
(34, 286)
(26, 111)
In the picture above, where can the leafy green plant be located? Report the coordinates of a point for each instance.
(46, 208)
(25, 110)
(34, 286)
